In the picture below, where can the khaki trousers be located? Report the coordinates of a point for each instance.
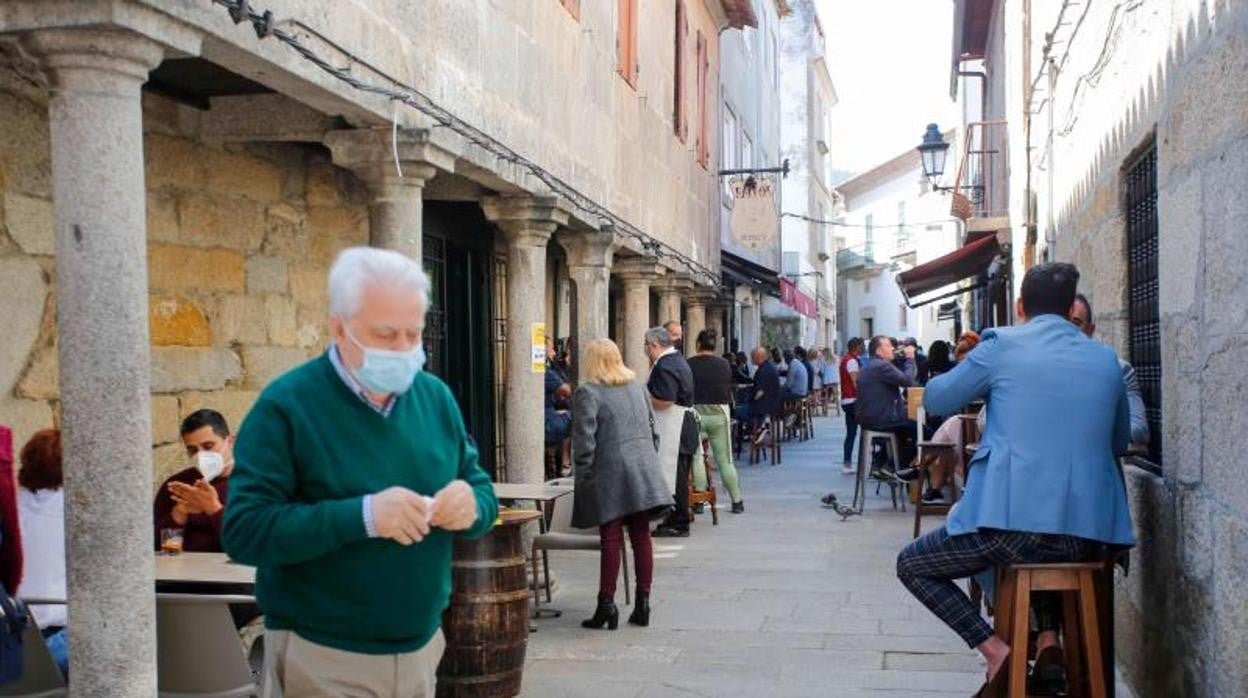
(296, 668)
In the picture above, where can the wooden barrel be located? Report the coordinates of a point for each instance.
(487, 623)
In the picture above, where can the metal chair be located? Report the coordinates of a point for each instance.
(858, 503)
(198, 653)
(560, 535)
(41, 678)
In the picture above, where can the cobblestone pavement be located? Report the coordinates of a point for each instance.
(784, 600)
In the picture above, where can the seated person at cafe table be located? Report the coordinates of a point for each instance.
(881, 405)
(765, 395)
(354, 476)
(190, 505)
(1019, 505)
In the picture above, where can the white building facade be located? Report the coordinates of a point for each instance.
(807, 97)
(749, 136)
(893, 221)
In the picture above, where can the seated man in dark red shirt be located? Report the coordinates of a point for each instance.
(193, 500)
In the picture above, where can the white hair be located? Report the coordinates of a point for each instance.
(358, 268)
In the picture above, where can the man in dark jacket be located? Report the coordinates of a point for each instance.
(804, 356)
(765, 397)
(881, 406)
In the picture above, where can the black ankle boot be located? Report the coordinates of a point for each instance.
(606, 614)
(641, 610)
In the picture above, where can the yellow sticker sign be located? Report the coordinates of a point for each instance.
(539, 347)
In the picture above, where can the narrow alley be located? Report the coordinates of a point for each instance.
(784, 600)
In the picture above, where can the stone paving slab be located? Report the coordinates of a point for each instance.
(785, 600)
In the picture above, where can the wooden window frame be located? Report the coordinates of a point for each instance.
(680, 120)
(626, 41)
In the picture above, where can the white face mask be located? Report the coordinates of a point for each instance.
(210, 464)
(385, 371)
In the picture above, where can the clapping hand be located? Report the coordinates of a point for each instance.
(199, 498)
(455, 507)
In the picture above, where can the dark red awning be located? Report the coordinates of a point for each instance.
(793, 297)
(943, 271)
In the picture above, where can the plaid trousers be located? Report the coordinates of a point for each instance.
(930, 564)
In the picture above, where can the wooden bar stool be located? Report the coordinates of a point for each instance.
(810, 405)
(706, 496)
(768, 446)
(1080, 623)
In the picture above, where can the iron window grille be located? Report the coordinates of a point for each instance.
(1143, 313)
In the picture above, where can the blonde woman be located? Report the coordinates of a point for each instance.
(618, 481)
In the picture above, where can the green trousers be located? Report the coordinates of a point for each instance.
(716, 427)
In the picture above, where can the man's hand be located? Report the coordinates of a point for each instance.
(200, 498)
(400, 515)
(455, 507)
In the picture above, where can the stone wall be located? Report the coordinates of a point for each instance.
(1182, 612)
(527, 72)
(240, 242)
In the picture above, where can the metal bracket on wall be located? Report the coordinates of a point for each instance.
(783, 170)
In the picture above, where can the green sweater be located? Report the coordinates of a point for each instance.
(308, 452)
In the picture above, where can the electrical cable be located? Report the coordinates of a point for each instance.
(844, 224)
(266, 26)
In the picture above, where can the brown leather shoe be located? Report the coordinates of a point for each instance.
(1048, 676)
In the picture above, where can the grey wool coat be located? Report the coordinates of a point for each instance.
(615, 455)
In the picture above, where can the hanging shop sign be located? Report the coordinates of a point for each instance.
(755, 222)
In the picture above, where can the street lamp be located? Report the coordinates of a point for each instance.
(933, 150)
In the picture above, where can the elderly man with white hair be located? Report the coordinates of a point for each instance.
(354, 474)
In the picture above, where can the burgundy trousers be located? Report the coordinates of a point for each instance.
(612, 534)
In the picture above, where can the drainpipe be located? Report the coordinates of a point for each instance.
(1050, 229)
(983, 90)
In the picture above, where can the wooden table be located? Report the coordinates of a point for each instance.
(203, 568)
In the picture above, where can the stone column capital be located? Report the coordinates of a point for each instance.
(591, 248)
(676, 282)
(371, 153)
(638, 269)
(699, 298)
(525, 220)
(102, 60)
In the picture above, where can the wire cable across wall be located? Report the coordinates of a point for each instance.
(266, 25)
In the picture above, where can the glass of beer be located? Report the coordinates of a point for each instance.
(171, 541)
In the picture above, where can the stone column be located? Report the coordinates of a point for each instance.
(669, 304)
(96, 131)
(695, 320)
(589, 265)
(638, 274)
(396, 204)
(527, 223)
(715, 320)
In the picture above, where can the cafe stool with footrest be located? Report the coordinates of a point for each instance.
(1076, 581)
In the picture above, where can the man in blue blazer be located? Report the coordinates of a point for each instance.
(1044, 485)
